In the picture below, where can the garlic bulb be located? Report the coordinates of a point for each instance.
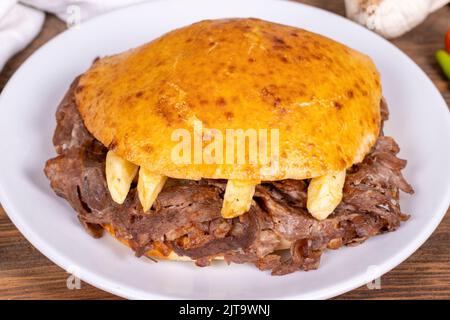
(391, 18)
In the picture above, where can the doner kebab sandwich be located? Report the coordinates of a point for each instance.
(234, 139)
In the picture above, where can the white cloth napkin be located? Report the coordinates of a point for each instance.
(21, 20)
(18, 26)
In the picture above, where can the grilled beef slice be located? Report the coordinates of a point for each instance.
(186, 216)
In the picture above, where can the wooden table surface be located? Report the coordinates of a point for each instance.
(26, 274)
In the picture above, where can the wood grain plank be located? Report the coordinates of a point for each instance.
(26, 274)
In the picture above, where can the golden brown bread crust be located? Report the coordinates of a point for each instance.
(236, 74)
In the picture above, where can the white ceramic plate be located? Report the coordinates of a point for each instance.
(420, 122)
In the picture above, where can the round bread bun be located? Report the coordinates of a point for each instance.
(322, 96)
(157, 254)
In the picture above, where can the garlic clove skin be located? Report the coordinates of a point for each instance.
(390, 18)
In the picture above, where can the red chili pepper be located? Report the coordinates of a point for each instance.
(447, 40)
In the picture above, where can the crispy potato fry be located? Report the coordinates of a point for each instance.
(238, 197)
(324, 194)
(149, 186)
(119, 175)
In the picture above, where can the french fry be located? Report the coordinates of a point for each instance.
(119, 175)
(325, 194)
(238, 197)
(149, 186)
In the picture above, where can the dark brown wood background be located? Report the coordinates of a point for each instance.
(26, 274)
